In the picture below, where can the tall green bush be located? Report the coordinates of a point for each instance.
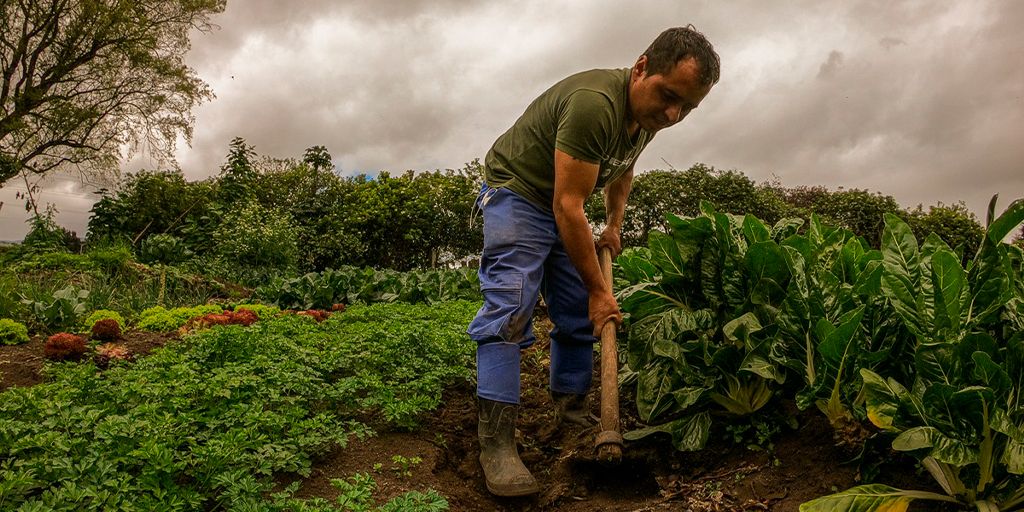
(954, 224)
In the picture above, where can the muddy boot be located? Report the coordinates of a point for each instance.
(503, 470)
(572, 408)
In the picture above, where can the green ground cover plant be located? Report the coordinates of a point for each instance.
(206, 422)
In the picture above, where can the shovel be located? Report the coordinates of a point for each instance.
(609, 441)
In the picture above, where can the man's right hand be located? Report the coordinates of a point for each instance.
(603, 309)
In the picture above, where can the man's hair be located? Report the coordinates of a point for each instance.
(680, 43)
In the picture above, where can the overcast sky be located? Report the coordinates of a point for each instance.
(921, 100)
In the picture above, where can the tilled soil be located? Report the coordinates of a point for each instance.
(20, 364)
(802, 464)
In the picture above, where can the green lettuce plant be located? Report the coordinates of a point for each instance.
(12, 332)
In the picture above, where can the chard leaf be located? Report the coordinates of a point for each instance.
(1014, 364)
(739, 330)
(1006, 222)
(938, 363)
(941, 447)
(1001, 423)
(869, 498)
(667, 255)
(869, 281)
(687, 396)
(1013, 457)
(646, 298)
(882, 399)
(785, 228)
(846, 266)
(767, 272)
(902, 275)
(688, 434)
(755, 230)
(636, 265)
(839, 342)
(995, 378)
(760, 365)
(673, 325)
(988, 278)
(654, 391)
(949, 287)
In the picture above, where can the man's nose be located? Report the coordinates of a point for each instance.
(674, 113)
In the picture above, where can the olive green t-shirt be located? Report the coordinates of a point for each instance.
(584, 116)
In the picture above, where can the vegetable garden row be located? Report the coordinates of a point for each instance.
(914, 343)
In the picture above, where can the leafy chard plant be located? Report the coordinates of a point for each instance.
(962, 414)
(833, 321)
(701, 301)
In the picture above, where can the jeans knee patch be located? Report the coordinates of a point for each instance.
(501, 317)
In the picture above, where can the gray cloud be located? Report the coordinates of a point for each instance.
(891, 42)
(830, 67)
(920, 100)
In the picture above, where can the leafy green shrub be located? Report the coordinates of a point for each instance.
(255, 235)
(162, 249)
(12, 333)
(150, 202)
(45, 235)
(103, 314)
(954, 224)
(112, 259)
(50, 260)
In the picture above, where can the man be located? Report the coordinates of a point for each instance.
(580, 136)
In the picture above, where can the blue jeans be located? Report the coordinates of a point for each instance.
(523, 256)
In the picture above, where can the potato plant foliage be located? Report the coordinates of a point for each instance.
(726, 312)
(205, 423)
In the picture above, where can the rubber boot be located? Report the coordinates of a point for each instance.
(572, 408)
(503, 470)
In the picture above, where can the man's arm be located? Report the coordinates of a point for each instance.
(615, 196)
(574, 181)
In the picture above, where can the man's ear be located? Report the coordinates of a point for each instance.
(640, 68)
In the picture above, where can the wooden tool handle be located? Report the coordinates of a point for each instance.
(609, 440)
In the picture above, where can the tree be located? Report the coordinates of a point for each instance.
(955, 224)
(83, 79)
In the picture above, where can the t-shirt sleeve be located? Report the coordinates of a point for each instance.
(585, 125)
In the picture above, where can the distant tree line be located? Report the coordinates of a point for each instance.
(299, 214)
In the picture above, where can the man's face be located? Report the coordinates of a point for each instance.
(659, 101)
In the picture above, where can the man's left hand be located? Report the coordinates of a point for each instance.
(611, 239)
